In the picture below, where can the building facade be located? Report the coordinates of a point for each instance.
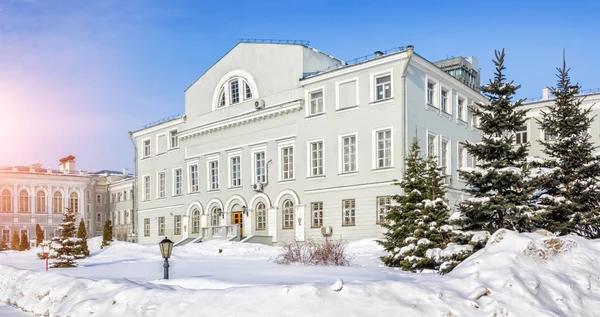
(121, 207)
(281, 142)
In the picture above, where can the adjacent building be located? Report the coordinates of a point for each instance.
(282, 142)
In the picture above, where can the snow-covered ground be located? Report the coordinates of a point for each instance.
(515, 275)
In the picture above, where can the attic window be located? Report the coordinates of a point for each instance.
(234, 91)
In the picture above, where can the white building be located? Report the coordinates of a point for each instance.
(282, 142)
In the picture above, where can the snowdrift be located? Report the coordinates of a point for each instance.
(515, 275)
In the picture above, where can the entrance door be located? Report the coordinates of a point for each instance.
(237, 220)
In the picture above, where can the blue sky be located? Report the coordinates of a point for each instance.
(76, 76)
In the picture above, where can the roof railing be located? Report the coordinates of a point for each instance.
(584, 92)
(163, 120)
(275, 41)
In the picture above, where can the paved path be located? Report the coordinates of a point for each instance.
(7, 311)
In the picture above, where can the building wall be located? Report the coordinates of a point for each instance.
(121, 209)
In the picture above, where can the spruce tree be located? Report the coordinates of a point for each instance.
(15, 241)
(571, 172)
(66, 245)
(3, 243)
(82, 234)
(497, 184)
(24, 242)
(39, 235)
(107, 234)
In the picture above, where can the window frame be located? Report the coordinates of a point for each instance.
(173, 145)
(195, 221)
(337, 93)
(161, 226)
(379, 219)
(235, 177)
(316, 216)
(6, 201)
(146, 148)
(373, 86)
(193, 176)
(309, 97)
(177, 182)
(59, 200)
(519, 134)
(342, 155)
(24, 201)
(177, 225)
(448, 103)
(447, 156)
(161, 188)
(289, 211)
(212, 180)
(43, 205)
(264, 220)
(309, 159)
(375, 148)
(146, 227)
(436, 147)
(147, 186)
(259, 173)
(461, 115)
(352, 216)
(290, 172)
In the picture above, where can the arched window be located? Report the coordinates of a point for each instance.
(261, 216)
(196, 221)
(235, 90)
(288, 214)
(214, 217)
(57, 206)
(40, 202)
(6, 201)
(74, 202)
(23, 201)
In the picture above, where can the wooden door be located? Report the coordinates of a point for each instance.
(237, 220)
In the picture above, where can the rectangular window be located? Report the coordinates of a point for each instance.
(349, 153)
(214, 174)
(98, 218)
(113, 198)
(162, 182)
(461, 156)
(431, 145)
(461, 109)
(177, 179)
(348, 210)
(384, 148)
(445, 101)
(146, 227)
(383, 204)
(119, 197)
(549, 137)
(259, 167)
(235, 91)
(98, 199)
(124, 195)
(445, 156)
(146, 187)
(174, 140)
(287, 157)
(161, 226)
(521, 135)
(177, 225)
(430, 93)
(383, 87)
(146, 148)
(194, 187)
(236, 176)
(347, 94)
(316, 210)
(316, 158)
(316, 102)
(248, 91)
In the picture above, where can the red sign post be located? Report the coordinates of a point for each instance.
(46, 251)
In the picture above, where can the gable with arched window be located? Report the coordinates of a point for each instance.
(235, 87)
(23, 201)
(40, 202)
(57, 205)
(74, 202)
(196, 221)
(6, 201)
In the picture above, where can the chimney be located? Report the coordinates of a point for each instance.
(125, 171)
(378, 53)
(410, 48)
(545, 93)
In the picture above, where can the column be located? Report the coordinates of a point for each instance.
(272, 223)
(300, 222)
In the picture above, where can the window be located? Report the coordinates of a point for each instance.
(124, 195)
(549, 137)
(127, 217)
(445, 101)
(119, 197)
(146, 148)
(58, 203)
(288, 214)
(235, 91)
(248, 90)
(40, 202)
(196, 221)
(23, 201)
(383, 87)
(383, 205)
(215, 218)
(236, 176)
(146, 227)
(74, 202)
(431, 144)
(177, 182)
(259, 167)
(98, 218)
(461, 110)
(177, 225)
(174, 140)
(349, 154)
(194, 186)
(287, 157)
(316, 158)
(521, 135)
(445, 157)
(261, 217)
(222, 101)
(146, 187)
(98, 199)
(316, 210)
(384, 148)
(348, 209)
(6, 204)
(162, 185)
(113, 198)
(6, 235)
(161, 226)
(430, 93)
(461, 156)
(214, 175)
(316, 102)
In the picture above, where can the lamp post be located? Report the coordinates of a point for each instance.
(46, 251)
(166, 247)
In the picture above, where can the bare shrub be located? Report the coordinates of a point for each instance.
(311, 252)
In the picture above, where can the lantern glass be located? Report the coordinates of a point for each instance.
(166, 247)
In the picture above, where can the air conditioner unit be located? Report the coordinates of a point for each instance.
(326, 231)
(257, 187)
(259, 104)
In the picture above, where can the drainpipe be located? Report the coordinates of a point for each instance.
(135, 179)
(404, 103)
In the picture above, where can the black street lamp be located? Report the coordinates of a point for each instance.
(166, 247)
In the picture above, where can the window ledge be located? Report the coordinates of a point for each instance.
(194, 193)
(176, 196)
(316, 115)
(145, 158)
(382, 101)
(446, 114)
(349, 225)
(285, 181)
(161, 198)
(161, 154)
(316, 177)
(347, 109)
(218, 190)
(235, 188)
(461, 122)
(382, 169)
(432, 107)
(175, 149)
(287, 228)
(313, 227)
(343, 174)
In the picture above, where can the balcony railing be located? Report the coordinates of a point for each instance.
(220, 232)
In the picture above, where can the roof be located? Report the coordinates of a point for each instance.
(36, 169)
(67, 159)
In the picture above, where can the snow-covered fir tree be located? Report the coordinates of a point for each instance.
(15, 241)
(3, 243)
(24, 245)
(107, 235)
(39, 235)
(570, 175)
(82, 234)
(417, 224)
(66, 245)
(497, 183)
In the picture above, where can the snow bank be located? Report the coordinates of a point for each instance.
(515, 275)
